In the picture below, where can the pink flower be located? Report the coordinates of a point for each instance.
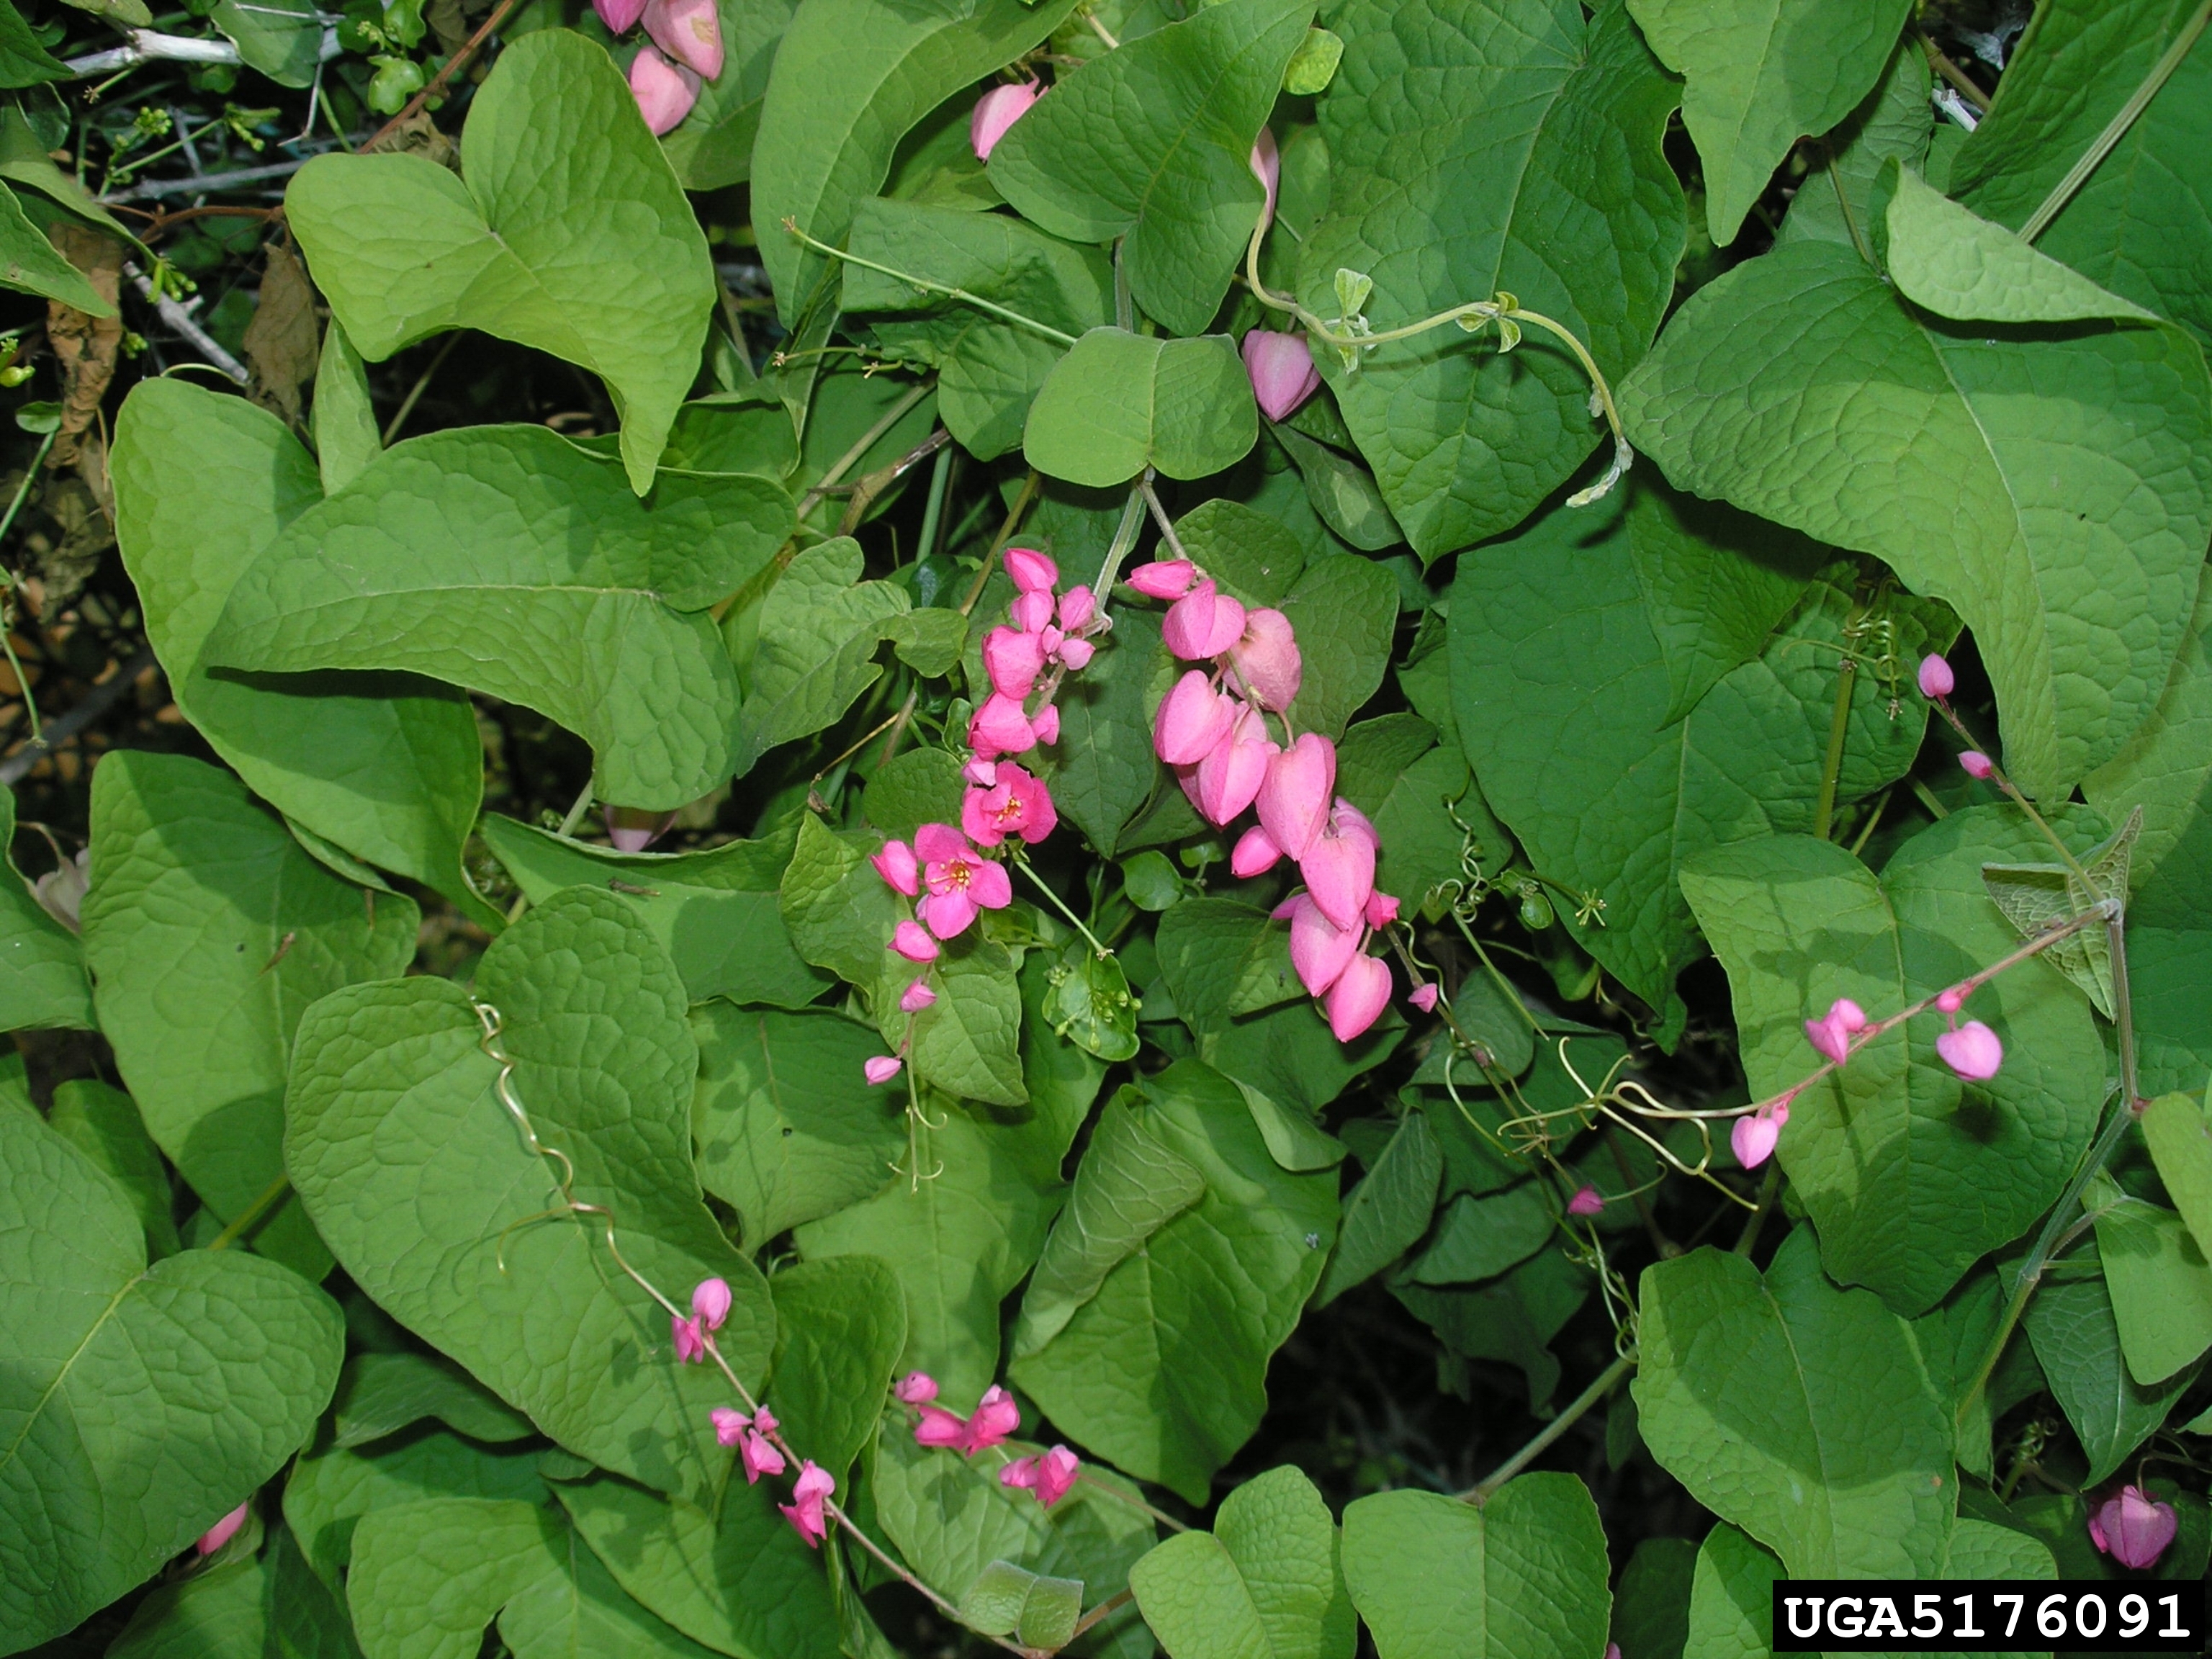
(1077, 606)
(1319, 948)
(1075, 654)
(1936, 680)
(664, 91)
(1266, 658)
(1972, 1051)
(880, 1069)
(916, 1388)
(1032, 573)
(983, 772)
(1951, 999)
(1293, 801)
(959, 881)
(1204, 623)
(1253, 854)
(1017, 804)
(619, 16)
(691, 1341)
(916, 997)
(1267, 168)
(1424, 997)
(1358, 999)
(711, 1302)
(1231, 772)
(1001, 728)
(1585, 1202)
(632, 830)
(1045, 728)
(995, 111)
(730, 1425)
(1014, 660)
(808, 1493)
(2133, 1527)
(758, 1456)
(1049, 1476)
(1282, 371)
(994, 1418)
(1032, 610)
(911, 941)
(226, 1528)
(939, 1427)
(764, 1420)
(688, 30)
(1754, 1138)
(1339, 864)
(1381, 910)
(1975, 764)
(1164, 578)
(1831, 1034)
(1193, 717)
(895, 863)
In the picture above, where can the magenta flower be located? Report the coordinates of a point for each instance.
(1077, 606)
(916, 1388)
(1193, 717)
(1075, 653)
(1203, 623)
(1294, 800)
(759, 1456)
(632, 830)
(664, 91)
(1831, 1034)
(809, 1493)
(1358, 999)
(1320, 949)
(1032, 610)
(1254, 853)
(1267, 168)
(895, 863)
(1339, 864)
(1230, 773)
(730, 1424)
(1017, 804)
(1049, 1476)
(1424, 997)
(957, 879)
(939, 1427)
(1001, 728)
(994, 1418)
(880, 1069)
(1754, 1138)
(1972, 1051)
(1585, 1201)
(1936, 680)
(916, 997)
(1381, 910)
(226, 1528)
(911, 940)
(1031, 571)
(711, 1302)
(1975, 764)
(1282, 371)
(691, 1341)
(983, 772)
(619, 16)
(2133, 1527)
(1045, 728)
(1266, 658)
(688, 30)
(1164, 578)
(1014, 660)
(995, 111)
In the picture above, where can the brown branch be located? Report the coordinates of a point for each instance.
(454, 65)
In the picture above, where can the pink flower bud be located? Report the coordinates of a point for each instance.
(1424, 997)
(690, 1341)
(1267, 168)
(916, 997)
(1164, 578)
(2133, 1527)
(911, 940)
(632, 830)
(1204, 623)
(710, 1300)
(1266, 658)
(1358, 999)
(1975, 764)
(764, 1420)
(879, 1069)
(1001, 728)
(981, 773)
(1381, 910)
(1055, 1474)
(1585, 1202)
(730, 1425)
(916, 1388)
(1831, 1034)
(895, 863)
(1319, 948)
(995, 111)
(1075, 654)
(939, 1427)
(1281, 367)
(664, 91)
(1193, 717)
(1045, 726)
(1254, 854)
(1936, 680)
(226, 1528)
(1020, 1475)
(1231, 772)
(1339, 864)
(1950, 1001)
(805, 1511)
(1754, 1138)
(1972, 1051)
(1013, 659)
(619, 16)
(758, 1453)
(1032, 610)
(995, 1417)
(1077, 606)
(1032, 573)
(1294, 800)
(1848, 1015)
(688, 30)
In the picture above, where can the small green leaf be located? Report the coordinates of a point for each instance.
(24, 61)
(2160, 1285)
(331, 1488)
(1119, 402)
(1344, 611)
(1103, 770)
(1651, 1610)
(280, 39)
(968, 1042)
(1387, 1210)
(928, 640)
(1731, 1603)
(1010, 1600)
(840, 911)
(1089, 1003)
(2037, 896)
(1479, 1238)
(104, 1124)
(346, 435)
(2078, 1342)
(2180, 1141)
(818, 631)
(923, 786)
(381, 1393)
(1263, 1585)
(1957, 263)
(28, 261)
(1313, 65)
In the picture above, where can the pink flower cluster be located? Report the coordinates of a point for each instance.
(686, 49)
(1048, 1475)
(759, 1448)
(1211, 730)
(710, 1306)
(749, 1435)
(945, 871)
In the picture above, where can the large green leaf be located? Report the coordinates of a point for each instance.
(1798, 1412)
(282, 40)
(2023, 476)
(1118, 403)
(331, 1487)
(1162, 1371)
(1895, 120)
(2139, 224)
(42, 980)
(23, 61)
(787, 1128)
(840, 1328)
(398, 1143)
(571, 235)
(968, 1042)
(960, 1224)
(1152, 144)
(819, 627)
(2180, 1136)
(385, 765)
(210, 932)
(840, 911)
(383, 1393)
(851, 79)
(1651, 1611)
(1607, 797)
(715, 911)
(1344, 611)
(2078, 1342)
(2160, 1285)
(139, 1403)
(104, 1124)
(1476, 146)
(1520, 1577)
(1265, 1583)
(1731, 1600)
(1759, 75)
(1909, 1173)
(506, 560)
(1387, 1210)
(1512, 1318)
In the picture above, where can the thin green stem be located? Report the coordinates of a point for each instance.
(422, 384)
(1124, 537)
(270, 1196)
(999, 543)
(1753, 1223)
(933, 512)
(2116, 128)
(1839, 727)
(1160, 516)
(1480, 1492)
(1021, 862)
(1844, 203)
(867, 441)
(1118, 1599)
(927, 286)
(8, 620)
(1926, 797)
(577, 809)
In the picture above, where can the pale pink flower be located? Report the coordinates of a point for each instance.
(1075, 653)
(911, 940)
(226, 1528)
(1164, 578)
(619, 16)
(1358, 999)
(1230, 773)
(1031, 571)
(2133, 1527)
(764, 1420)
(1339, 864)
(1975, 764)
(1266, 658)
(1832, 1032)
(880, 1069)
(759, 1456)
(1936, 680)
(983, 772)
(1001, 728)
(711, 1302)
(916, 997)
(1078, 607)
(1424, 997)
(1267, 168)
(1017, 804)
(690, 1341)
(1045, 727)
(1193, 717)
(939, 1427)
(1293, 801)
(916, 1388)
(688, 30)
(1204, 623)
(1754, 1138)
(1014, 660)
(957, 879)
(1972, 1051)
(1320, 949)
(1254, 853)
(631, 829)
(1281, 368)
(1381, 910)
(994, 1418)
(809, 1493)
(664, 91)
(1585, 1202)
(1049, 1476)
(1951, 999)
(895, 863)
(995, 111)
(1032, 610)
(730, 1424)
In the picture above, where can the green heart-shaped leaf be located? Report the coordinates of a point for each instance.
(1120, 401)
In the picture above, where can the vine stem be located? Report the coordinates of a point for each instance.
(1006, 313)
(1481, 1492)
(454, 65)
(270, 1197)
(1022, 863)
(1839, 726)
